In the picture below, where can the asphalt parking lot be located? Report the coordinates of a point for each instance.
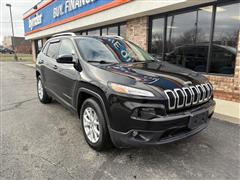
(46, 142)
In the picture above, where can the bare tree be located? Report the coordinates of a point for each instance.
(228, 38)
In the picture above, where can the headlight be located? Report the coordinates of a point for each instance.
(130, 90)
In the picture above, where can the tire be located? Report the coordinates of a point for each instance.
(102, 139)
(42, 94)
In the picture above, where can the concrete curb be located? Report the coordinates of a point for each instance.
(228, 108)
(29, 64)
(226, 118)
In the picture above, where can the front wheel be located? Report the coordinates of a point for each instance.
(42, 94)
(94, 125)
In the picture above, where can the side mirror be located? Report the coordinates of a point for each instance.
(65, 59)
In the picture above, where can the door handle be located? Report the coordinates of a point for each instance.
(55, 67)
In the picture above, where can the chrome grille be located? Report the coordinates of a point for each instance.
(187, 96)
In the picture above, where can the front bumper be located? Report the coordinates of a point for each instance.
(133, 132)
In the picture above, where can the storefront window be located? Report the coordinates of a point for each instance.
(84, 33)
(38, 46)
(225, 39)
(188, 36)
(113, 30)
(118, 29)
(157, 37)
(104, 31)
(95, 32)
(123, 30)
(188, 39)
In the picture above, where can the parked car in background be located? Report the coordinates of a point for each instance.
(194, 56)
(6, 51)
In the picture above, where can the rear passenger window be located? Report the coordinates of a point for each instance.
(53, 50)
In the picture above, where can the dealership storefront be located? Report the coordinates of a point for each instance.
(200, 35)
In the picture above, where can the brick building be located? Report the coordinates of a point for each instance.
(196, 34)
(21, 45)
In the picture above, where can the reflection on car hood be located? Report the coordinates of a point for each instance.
(160, 74)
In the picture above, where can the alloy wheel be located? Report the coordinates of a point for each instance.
(40, 89)
(91, 124)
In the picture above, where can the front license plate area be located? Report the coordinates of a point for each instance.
(198, 119)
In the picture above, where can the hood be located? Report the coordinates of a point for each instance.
(157, 74)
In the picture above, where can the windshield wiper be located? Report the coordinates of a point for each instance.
(100, 62)
(137, 60)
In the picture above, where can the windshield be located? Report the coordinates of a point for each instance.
(111, 50)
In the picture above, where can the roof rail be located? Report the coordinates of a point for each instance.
(64, 34)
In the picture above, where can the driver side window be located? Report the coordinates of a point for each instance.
(52, 50)
(66, 47)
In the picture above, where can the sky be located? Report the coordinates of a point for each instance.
(18, 8)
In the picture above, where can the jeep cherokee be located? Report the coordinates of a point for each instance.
(123, 96)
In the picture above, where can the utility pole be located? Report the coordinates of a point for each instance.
(13, 43)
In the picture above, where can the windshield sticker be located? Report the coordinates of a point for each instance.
(120, 48)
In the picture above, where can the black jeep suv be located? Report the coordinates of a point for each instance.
(121, 93)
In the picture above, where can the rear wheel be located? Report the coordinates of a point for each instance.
(94, 125)
(42, 94)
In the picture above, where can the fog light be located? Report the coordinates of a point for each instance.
(147, 113)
